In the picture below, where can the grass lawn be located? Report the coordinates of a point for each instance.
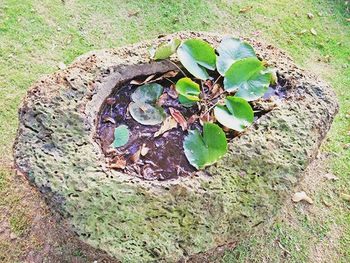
(35, 36)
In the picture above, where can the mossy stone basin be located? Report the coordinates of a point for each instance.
(136, 220)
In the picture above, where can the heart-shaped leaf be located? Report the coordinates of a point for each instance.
(205, 150)
(247, 76)
(147, 93)
(146, 114)
(188, 91)
(165, 50)
(196, 55)
(121, 136)
(230, 50)
(237, 114)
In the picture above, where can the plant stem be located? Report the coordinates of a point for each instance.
(211, 107)
(217, 80)
(183, 73)
(170, 80)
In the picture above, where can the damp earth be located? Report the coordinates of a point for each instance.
(164, 156)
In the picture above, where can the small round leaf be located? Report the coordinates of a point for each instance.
(147, 93)
(247, 76)
(237, 114)
(146, 114)
(196, 55)
(205, 150)
(121, 136)
(165, 50)
(230, 50)
(188, 91)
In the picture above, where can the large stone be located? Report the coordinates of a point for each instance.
(155, 221)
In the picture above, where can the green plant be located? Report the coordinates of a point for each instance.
(240, 77)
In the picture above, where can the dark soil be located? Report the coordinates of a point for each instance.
(165, 158)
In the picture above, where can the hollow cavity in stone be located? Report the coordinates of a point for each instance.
(164, 156)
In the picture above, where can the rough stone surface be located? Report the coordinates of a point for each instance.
(152, 221)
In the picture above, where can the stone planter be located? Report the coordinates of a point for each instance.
(164, 221)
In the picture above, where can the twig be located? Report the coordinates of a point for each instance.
(183, 73)
(170, 80)
(217, 80)
(211, 107)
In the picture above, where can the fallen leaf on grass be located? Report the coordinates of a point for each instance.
(313, 31)
(179, 118)
(310, 16)
(300, 196)
(245, 9)
(346, 197)
(302, 32)
(133, 13)
(330, 176)
(168, 124)
(348, 19)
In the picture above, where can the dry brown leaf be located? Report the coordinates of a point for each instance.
(144, 150)
(140, 82)
(246, 9)
(206, 117)
(108, 119)
(344, 196)
(217, 91)
(169, 74)
(330, 176)
(111, 101)
(302, 32)
(300, 196)
(133, 13)
(168, 124)
(172, 92)
(179, 118)
(162, 99)
(209, 84)
(192, 119)
(136, 156)
(313, 31)
(118, 163)
(310, 16)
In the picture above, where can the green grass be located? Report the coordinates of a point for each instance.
(36, 35)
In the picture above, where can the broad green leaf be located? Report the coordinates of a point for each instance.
(196, 55)
(188, 91)
(230, 50)
(121, 136)
(186, 102)
(147, 93)
(237, 114)
(247, 76)
(165, 50)
(146, 114)
(205, 150)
